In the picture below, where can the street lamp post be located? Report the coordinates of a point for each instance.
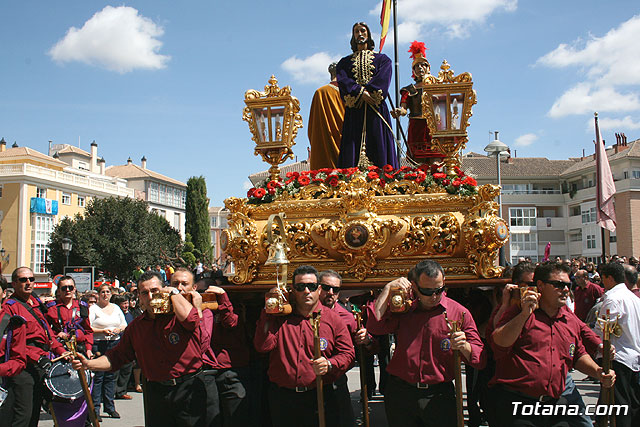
(499, 149)
(67, 244)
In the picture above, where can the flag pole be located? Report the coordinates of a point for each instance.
(598, 187)
(397, 78)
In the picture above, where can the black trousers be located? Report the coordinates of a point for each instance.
(407, 406)
(181, 405)
(122, 379)
(26, 391)
(343, 400)
(627, 392)
(504, 411)
(232, 398)
(292, 409)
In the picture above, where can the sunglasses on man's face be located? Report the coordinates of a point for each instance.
(26, 279)
(328, 288)
(558, 284)
(301, 286)
(428, 292)
(67, 288)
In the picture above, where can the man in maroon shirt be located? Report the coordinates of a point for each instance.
(70, 317)
(585, 294)
(420, 390)
(535, 345)
(13, 343)
(330, 284)
(224, 353)
(28, 387)
(168, 348)
(292, 364)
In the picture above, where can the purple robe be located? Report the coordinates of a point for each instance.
(355, 73)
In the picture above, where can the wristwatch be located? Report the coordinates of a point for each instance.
(174, 291)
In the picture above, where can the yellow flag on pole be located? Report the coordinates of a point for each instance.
(385, 14)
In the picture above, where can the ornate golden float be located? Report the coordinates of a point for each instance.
(373, 225)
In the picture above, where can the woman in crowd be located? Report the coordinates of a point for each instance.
(107, 321)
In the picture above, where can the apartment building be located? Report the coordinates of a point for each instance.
(165, 196)
(37, 190)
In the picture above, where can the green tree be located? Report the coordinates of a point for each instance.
(197, 216)
(115, 235)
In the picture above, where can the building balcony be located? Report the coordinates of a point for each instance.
(547, 223)
(60, 177)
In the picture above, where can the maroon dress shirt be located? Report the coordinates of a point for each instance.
(37, 329)
(538, 361)
(223, 337)
(290, 341)
(71, 320)
(586, 298)
(423, 348)
(164, 347)
(17, 359)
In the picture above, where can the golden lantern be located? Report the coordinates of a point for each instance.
(274, 119)
(446, 105)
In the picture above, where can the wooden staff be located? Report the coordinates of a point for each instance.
(315, 324)
(454, 326)
(606, 394)
(71, 344)
(363, 372)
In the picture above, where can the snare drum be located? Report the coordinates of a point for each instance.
(64, 381)
(3, 395)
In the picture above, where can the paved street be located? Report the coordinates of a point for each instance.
(132, 415)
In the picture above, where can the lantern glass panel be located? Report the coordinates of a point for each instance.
(261, 117)
(440, 110)
(277, 114)
(457, 107)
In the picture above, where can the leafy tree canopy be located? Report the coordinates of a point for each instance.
(197, 216)
(114, 235)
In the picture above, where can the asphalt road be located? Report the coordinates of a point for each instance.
(132, 413)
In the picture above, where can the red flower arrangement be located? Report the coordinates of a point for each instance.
(425, 176)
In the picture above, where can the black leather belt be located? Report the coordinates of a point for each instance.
(40, 345)
(300, 389)
(541, 399)
(432, 387)
(175, 381)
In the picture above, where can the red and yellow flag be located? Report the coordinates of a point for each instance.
(385, 14)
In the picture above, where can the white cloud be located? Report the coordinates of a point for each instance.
(246, 185)
(312, 69)
(607, 123)
(526, 139)
(605, 63)
(455, 17)
(584, 98)
(116, 38)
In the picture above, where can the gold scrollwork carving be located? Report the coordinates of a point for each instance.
(302, 244)
(429, 235)
(480, 231)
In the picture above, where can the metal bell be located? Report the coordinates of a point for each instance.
(277, 254)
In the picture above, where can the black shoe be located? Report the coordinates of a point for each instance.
(98, 417)
(113, 414)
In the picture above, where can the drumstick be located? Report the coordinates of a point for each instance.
(63, 356)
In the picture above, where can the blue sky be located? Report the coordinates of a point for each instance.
(166, 79)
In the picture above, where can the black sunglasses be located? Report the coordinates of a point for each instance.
(558, 284)
(301, 286)
(67, 288)
(427, 292)
(26, 279)
(328, 288)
